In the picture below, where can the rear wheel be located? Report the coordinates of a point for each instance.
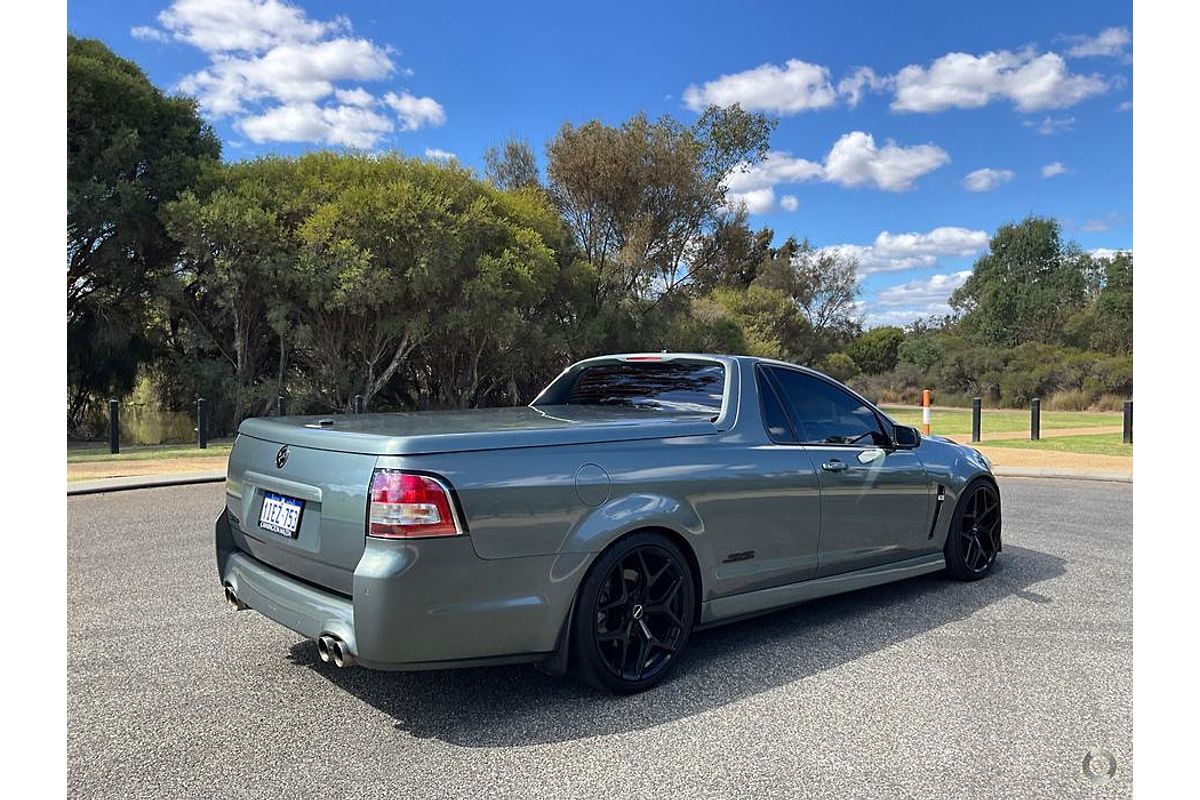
(634, 614)
(974, 538)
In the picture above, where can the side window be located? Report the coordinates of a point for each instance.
(773, 416)
(825, 413)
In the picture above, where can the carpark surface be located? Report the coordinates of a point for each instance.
(922, 688)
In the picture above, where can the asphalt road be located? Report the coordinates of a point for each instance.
(925, 688)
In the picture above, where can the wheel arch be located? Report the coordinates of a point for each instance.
(558, 663)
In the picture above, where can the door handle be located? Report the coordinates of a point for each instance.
(835, 465)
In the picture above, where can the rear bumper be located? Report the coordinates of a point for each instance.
(424, 604)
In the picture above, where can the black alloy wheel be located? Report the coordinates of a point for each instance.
(634, 614)
(974, 538)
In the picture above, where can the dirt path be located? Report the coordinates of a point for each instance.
(94, 470)
(1018, 457)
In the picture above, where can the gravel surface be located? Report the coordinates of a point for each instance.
(923, 688)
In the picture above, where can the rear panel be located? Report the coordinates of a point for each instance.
(333, 488)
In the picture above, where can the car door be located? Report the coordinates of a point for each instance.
(875, 498)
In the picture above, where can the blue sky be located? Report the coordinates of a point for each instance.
(907, 133)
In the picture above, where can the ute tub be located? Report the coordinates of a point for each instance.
(485, 611)
(409, 433)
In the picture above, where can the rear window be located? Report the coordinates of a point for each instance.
(666, 386)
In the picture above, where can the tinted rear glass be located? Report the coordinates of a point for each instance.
(668, 386)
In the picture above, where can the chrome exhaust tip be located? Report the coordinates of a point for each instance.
(342, 656)
(232, 599)
(325, 648)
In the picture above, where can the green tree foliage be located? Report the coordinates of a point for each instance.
(923, 350)
(824, 286)
(1024, 288)
(876, 350)
(839, 366)
(639, 197)
(130, 148)
(512, 166)
(1105, 322)
(372, 275)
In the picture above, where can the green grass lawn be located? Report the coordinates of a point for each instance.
(82, 455)
(1105, 444)
(958, 421)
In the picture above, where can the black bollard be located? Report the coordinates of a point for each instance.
(282, 406)
(202, 423)
(1035, 419)
(976, 414)
(114, 426)
(358, 404)
(1127, 433)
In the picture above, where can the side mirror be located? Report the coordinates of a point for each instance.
(907, 437)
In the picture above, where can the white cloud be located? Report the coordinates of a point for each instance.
(960, 80)
(348, 125)
(901, 304)
(777, 167)
(936, 289)
(295, 72)
(355, 97)
(755, 201)
(855, 160)
(148, 33)
(278, 73)
(897, 251)
(1111, 42)
(1105, 253)
(856, 84)
(1051, 125)
(416, 112)
(789, 202)
(439, 155)
(1053, 168)
(251, 26)
(796, 86)
(1127, 105)
(986, 179)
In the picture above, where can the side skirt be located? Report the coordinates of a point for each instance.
(739, 606)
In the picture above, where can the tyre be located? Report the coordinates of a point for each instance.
(634, 614)
(974, 537)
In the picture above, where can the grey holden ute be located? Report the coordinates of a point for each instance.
(638, 498)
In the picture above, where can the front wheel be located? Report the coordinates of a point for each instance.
(974, 537)
(634, 614)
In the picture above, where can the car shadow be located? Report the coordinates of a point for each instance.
(510, 706)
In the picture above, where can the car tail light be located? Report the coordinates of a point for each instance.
(407, 506)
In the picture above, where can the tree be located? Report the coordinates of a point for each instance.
(876, 350)
(731, 255)
(130, 148)
(1106, 322)
(373, 275)
(639, 197)
(824, 285)
(1024, 288)
(513, 166)
(239, 251)
(839, 366)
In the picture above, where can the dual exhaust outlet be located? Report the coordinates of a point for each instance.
(330, 648)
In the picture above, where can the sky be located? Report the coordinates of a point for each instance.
(907, 133)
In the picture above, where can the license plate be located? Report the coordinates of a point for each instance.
(280, 514)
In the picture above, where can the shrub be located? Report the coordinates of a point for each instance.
(876, 350)
(838, 366)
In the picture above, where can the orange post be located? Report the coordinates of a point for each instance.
(926, 402)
